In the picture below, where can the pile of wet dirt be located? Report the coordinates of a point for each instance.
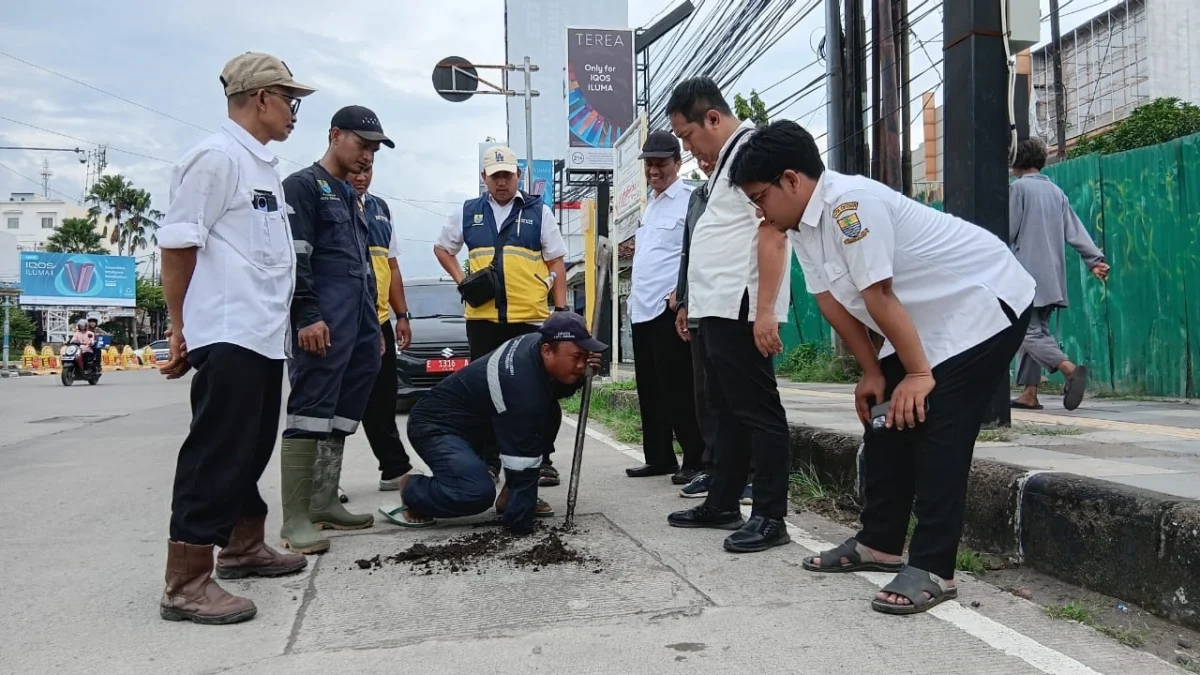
(470, 552)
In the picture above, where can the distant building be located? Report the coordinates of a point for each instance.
(1119, 59)
(33, 218)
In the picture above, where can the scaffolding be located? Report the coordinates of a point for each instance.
(1106, 71)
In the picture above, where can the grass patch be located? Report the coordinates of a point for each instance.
(969, 561)
(1136, 394)
(624, 424)
(1086, 615)
(808, 487)
(817, 363)
(994, 434)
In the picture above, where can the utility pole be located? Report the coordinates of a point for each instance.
(837, 91)
(1060, 103)
(887, 75)
(976, 118)
(903, 34)
(855, 152)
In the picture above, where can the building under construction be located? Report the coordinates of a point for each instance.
(1119, 59)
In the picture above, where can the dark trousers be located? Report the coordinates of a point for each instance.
(379, 420)
(741, 388)
(484, 337)
(932, 462)
(662, 364)
(236, 395)
(460, 485)
(706, 417)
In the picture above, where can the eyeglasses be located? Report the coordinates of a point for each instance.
(756, 199)
(293, 102)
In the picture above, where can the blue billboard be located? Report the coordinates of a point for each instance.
(78, 280)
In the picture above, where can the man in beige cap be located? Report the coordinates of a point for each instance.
(228, 271)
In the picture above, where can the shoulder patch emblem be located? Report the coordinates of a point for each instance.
(842, 208)
(849, 224)
(324, 187)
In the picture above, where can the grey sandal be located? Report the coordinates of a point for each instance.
(831, 560)
(1075, 387)
(914, 584)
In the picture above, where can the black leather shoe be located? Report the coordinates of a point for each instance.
(758, 534)
(646, 470)
(706, 516)
(685, 476)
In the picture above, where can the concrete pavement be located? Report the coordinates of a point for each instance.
(85, 492)
(1147, 444)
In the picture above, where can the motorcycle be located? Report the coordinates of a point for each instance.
(76, 364)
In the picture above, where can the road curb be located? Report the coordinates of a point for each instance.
(1137, 545)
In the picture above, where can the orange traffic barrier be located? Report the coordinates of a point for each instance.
(129, 359)
(30, 360)
(148, 357)
(50, 361)
(112, 357)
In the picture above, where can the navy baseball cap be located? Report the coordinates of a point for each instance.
(361, 121)
(569, 327)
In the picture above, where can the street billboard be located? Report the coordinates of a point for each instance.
(600, 94)
(543, 175)
(538, 29)
(77, 279)
(629, 181)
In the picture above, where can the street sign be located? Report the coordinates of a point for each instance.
(629, 181)
(455, 79)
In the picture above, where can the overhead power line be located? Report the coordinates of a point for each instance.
(37, 182)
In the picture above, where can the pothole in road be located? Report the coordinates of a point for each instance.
(474, 552)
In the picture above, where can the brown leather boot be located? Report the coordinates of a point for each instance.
(192, 595)
(247, 555)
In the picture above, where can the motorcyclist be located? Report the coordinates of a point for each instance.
(85, 339)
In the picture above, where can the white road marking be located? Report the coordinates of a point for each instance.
(994, 634)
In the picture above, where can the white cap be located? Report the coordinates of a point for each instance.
(499, 158)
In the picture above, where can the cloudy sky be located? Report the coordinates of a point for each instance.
(163, 59)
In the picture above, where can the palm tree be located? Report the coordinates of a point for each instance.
(76, 235)
(139, 230)
(111, 196)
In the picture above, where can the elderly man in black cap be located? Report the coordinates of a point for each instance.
(662, 361)
(337, 341)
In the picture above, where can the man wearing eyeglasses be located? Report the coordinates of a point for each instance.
(337, 346)
(228, 267)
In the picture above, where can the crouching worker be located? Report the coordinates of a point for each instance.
(512, 393)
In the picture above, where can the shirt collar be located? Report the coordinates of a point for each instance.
(519, 197)
(816, 204)
(249, 142)
(674, 189)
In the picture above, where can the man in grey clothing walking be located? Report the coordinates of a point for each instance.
(1040, 221)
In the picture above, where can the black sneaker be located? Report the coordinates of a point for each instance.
(758, 534)
(706, 516)
(698, 488)
(685, 476)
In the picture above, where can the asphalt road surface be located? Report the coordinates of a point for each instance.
(85, 486)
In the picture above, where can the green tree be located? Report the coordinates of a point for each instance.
(752, 109)
(151, 304)
(75, 235)
(1159, 121)
(139, 230)
(20, 331)
(110, 197)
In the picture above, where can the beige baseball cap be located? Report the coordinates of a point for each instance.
(499, 158)
(254, 70)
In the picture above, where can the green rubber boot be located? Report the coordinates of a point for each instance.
(327, 511)
(297, 460)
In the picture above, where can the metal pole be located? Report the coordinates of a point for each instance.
(7, 369)
(836, 72)
(528, 127)
(902, 36)
(1060, 103)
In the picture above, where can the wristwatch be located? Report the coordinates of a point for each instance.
(562, 309)
(403, 315)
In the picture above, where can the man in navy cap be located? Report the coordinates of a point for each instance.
(335, 352)
(511, 396)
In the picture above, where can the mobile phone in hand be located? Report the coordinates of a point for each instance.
(879, 413)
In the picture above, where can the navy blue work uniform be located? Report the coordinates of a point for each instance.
(335, 283)
(507, 398)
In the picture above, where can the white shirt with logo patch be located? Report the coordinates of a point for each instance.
(949, 274)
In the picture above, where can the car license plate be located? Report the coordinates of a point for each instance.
(445, 365)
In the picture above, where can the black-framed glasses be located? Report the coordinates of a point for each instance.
(756, 198)
(293, 102)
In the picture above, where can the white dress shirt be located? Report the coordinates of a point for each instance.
(553, 246)
(658, 245)
(949, 274)
(241, 291)
(723, 259)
